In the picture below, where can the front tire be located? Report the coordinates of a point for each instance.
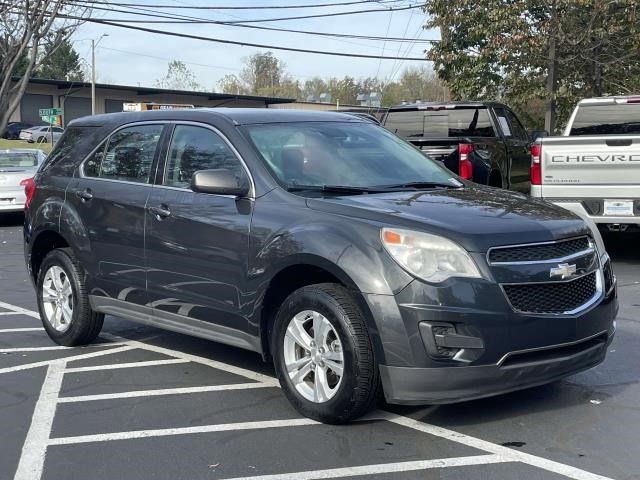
(63, 302)
(323, 354)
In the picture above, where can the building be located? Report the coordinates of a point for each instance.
(74, 98)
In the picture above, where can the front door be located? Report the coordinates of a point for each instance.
(197, 243)
(109, 196)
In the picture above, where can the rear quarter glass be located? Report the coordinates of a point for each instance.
(74, 145)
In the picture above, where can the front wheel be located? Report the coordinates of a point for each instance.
(323, 354)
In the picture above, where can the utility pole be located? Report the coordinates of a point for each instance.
(93, 77)
(552, 67)
(94, 43)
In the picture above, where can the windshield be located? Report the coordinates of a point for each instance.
(441, 122)
(18, 159)
(346, 154)
(617, 119)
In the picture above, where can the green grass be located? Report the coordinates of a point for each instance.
(5, 144)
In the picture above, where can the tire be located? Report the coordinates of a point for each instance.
(77, 325)
(356, 391)
(42, 139)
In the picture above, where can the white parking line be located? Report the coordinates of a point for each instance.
(35, 445)
(382, 468)
(17, 330)
(19, 310)
(163, 391)
(513, 455)
(82, 356)
(117, 366)
(243, 372)
(223, 427)
(33, 452)
(53, 347)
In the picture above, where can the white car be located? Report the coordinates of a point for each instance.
(41, 134)
(17, 166)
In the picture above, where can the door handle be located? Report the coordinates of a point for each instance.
(160, 212)
(84, 195)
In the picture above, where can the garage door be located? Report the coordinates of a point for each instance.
(113, 106)
(75, 107)
(30, 105)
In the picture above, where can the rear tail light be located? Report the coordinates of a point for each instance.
(465, 168)
(536, 166)
(29, 189)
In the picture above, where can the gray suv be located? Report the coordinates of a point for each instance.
(321, 241)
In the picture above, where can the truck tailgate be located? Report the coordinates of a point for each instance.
(584, 160)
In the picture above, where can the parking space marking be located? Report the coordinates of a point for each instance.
(17, 330)
(38, 438)
(35, 445)
(14, 309)
(82, 356)
(55, 347)
(163, 391)
(116, 366)
(513, 455)
(11, 313)
(383, 468)
(163, 432)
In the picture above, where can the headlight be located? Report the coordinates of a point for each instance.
(429, 257)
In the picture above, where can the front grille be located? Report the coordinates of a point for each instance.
(556, 297)
(540, 252)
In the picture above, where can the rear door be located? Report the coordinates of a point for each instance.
(109, 198)
(517, 144)
(197, 243)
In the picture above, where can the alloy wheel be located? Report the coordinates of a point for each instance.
(57, 298)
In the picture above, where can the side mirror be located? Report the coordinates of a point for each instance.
(219, 182)
(536, 134)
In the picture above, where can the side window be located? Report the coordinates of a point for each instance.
(128, 155)
(504, 123)
(517, 128)
(197, 148)
(69, 150)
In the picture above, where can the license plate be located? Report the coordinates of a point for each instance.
(618, 208)
(7, 201)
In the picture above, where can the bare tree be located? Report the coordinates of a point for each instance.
(27, 28)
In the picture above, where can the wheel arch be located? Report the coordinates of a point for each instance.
(44, 242)
(302, 271)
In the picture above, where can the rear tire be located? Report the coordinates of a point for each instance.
(323, 354)
(42, 139)
(63, 302)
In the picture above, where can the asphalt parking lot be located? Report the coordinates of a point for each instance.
(148, 404)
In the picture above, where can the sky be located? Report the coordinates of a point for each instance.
(128, 57)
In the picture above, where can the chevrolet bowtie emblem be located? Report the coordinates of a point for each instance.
(563, 270)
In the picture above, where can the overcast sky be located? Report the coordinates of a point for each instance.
(136, 58)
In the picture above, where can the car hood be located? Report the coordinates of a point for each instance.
(476, 218)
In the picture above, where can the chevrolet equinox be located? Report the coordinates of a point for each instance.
(324, 243)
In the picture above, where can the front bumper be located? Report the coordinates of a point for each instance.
(416, 386)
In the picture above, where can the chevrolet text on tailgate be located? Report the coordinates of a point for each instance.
(594, 168)
(321, 241)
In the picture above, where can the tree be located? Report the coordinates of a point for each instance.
(26, 27)
(179, 77)
(527, 51)
(61, 63)
(231, 84)
(262, 72)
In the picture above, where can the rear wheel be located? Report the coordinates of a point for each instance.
(63, 303)
(42, 139)
(323, 354)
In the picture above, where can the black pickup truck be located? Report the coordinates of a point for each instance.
(481, 141)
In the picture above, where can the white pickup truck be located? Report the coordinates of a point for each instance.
(594, 168)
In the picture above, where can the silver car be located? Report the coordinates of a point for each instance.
(42, 134)
(17, 165)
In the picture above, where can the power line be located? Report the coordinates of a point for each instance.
(262, 20)
(233, 42)
(156, 14)
(253, 7)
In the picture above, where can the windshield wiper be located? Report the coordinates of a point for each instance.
(336, 189)
(420, 185)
